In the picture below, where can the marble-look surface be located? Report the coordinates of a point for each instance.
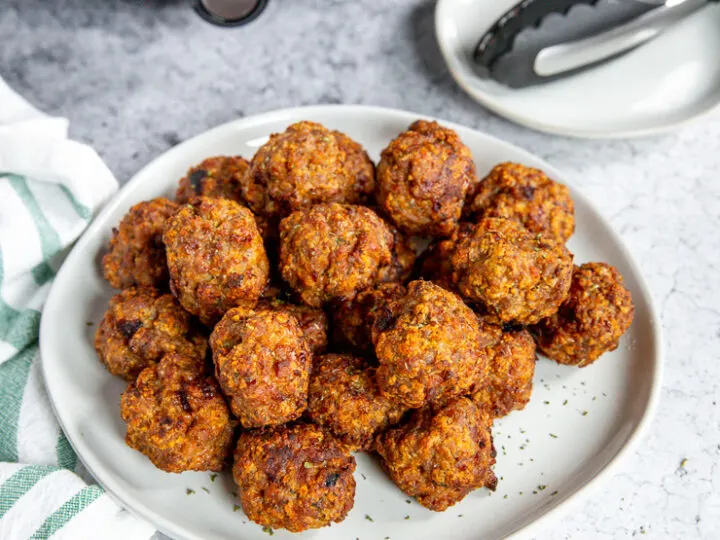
(137, 77)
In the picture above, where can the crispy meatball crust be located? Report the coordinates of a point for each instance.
(591, 321)
(344, 398)
(508, 384)
(219, 177)
(294, 477)
(528, 196)
(422, 179)
(177, 417)
(332, 251)
(140, 326)
(515, 275)
(216, 257)
(305, 165)
(136, 255)
(262, 362)
(313, 322)
(430, 346)
(353, 319)
(441, 454)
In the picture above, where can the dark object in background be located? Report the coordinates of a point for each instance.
(230, 12)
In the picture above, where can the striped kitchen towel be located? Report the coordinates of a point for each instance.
(50, 187)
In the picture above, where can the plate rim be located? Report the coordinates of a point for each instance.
(495, 106)
(573, 498)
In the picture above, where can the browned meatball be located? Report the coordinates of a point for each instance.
(353, 319)
(508, 383)
(313, 322)
(528, 196)
(441, 454)
(515, 275)
(429, 345)
(177, 417)
(435, 265)
(294, 477)
(591, 321)
(140, 326)
(422, 179)
(305, 165)
(216, 257)
(344, 397)
(262, 362)
(136, 255)
(219, 177)
(332, 251)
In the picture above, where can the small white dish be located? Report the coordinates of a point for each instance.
(657, 87)
(550, 455)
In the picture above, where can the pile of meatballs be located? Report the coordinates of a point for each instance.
(280, 315)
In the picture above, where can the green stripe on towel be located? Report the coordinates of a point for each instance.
(65, 454)
(49, 239)
(20, 483)
(13, 378)
(67, 511)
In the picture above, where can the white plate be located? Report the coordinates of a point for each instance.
(659, 86)
(619, 392)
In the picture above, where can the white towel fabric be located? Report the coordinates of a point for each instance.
(50, 188)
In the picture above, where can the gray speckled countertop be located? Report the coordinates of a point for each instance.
(136, 77)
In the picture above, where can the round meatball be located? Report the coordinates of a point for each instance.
(294, 477)
(422, 179)
(528, 196)
(514, 275)
(216, 257)
(177, 417)
(136, 255)
(353, 319)
(441, 454)
(508, 383)
(332, 251)
(430, 346)
(142, 325)
(262, 362)
(591, 321)
(305, 165)
(219, 177)
(313, 322)
(344, 398)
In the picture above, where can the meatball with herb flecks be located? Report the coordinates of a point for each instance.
(441, 454)
(140, 326)
(353, 319)
(262, 362)
(216, 257)
(514, 275)
(344, 398)
(508, 383)
(333, 251)
(525, 195)
(307, 164)
(295, 477)
(422, 179)
(429, 345)
(592, 319)
(136, 255)
(177, 417)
